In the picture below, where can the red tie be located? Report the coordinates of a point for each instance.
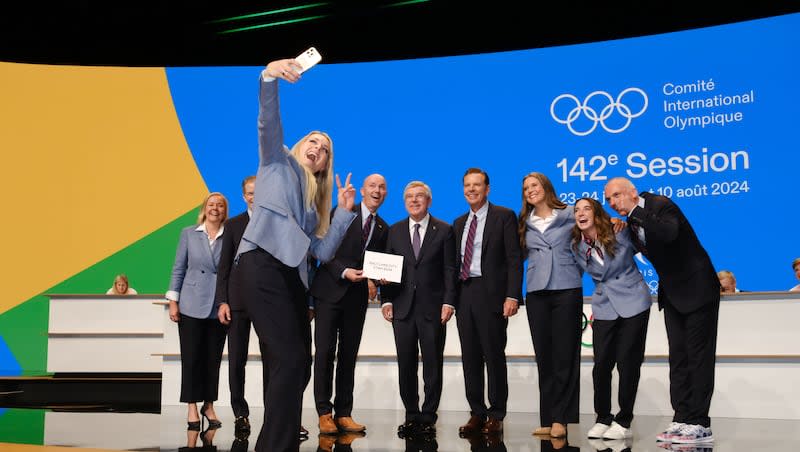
(468, 248)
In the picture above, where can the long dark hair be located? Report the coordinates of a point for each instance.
(602, 223)
(550, 198)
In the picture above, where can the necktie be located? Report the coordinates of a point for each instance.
(468, 248)
(416, 242)
(366, 230)
(637, 242)
(592, 245)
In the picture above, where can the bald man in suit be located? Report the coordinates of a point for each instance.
(688, 292)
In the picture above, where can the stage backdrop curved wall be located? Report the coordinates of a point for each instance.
(104, 165)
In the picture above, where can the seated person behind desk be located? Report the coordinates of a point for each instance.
(727, 282)
(796, 268)
(121, 286)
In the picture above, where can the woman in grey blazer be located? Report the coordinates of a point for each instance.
(620, 309)
(554, 302)
(191, 302)
(290, 220)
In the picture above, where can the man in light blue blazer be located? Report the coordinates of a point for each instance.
(621, 311)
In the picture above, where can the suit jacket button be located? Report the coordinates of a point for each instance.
(202, 271)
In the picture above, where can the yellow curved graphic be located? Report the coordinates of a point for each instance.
(93, 159)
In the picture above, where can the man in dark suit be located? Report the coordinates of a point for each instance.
(341, 293)
(420, 305)
(490, 287)
(688, 292)
(231, 310)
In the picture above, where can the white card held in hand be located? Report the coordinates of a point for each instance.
(383, 266)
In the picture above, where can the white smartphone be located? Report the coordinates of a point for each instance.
(308, 59)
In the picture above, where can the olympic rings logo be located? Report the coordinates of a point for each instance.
(583, 108)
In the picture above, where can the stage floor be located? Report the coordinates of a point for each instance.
(167, 432)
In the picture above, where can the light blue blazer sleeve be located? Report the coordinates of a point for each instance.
(281, 224)
(620, 290)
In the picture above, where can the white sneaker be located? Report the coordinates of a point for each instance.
(693, 434)
(597, 430)
(673, 429)
(598, 444)
(617, 431)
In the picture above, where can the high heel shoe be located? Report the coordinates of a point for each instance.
(212, 423)
(194, 426)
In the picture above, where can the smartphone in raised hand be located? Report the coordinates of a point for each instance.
(308, 59)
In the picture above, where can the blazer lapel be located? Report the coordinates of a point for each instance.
(429, 235)
(489, 224)
(202, 240)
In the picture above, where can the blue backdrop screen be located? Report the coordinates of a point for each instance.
(703, 116)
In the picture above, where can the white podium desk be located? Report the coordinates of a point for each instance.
(758, 363)
(105, 333)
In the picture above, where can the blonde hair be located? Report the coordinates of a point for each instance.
(725, 274)
(319, 187)
(201, 216)
(795, 263)
(120, 278)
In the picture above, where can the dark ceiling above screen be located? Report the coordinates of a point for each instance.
(235, 32)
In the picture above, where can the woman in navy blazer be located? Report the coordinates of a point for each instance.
(554, 302)
(621, 311)
(290, 221)
(191, 302)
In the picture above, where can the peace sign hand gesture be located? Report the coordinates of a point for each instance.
(347, 194)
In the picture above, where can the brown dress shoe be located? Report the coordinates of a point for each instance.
(492, 427)
(473, 425)
(347, 424)
(346, 439)
(327, 426)
(558, 430)
(326, 443)
(541, 431)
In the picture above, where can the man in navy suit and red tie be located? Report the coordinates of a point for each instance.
(688, 292)
(420, 305)
(490, 287)
(341, 293)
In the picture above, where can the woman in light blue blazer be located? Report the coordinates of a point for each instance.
(290, 220)
(554, 302)
(621, 310)
(191, 302)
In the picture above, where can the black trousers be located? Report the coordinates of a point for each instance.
(238, 344)
(276, 302)
(619, 342)
(342, 321)
(201, 342)
(413, 334)
(554, 317)
(692, 341)
(482, 332)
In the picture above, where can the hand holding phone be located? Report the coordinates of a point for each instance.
(308, 59)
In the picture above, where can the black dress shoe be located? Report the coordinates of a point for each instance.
(408, 428)
(303, 432)
(242, 425)
(427, 428)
